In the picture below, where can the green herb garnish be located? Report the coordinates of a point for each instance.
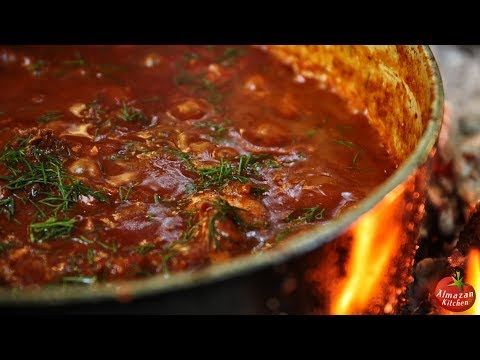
(283, 234)
(51, 229)
(191, 56)
(223, 210)
(129, 113)
(217, 131)
(6, 246)
(308, 215)
(348, 144)
(77, 61)
(185, 157)
(124, 192)
(143, 249)
(37, 177)
(90, 256)
(7, 207)
(219, 176)
(37, 67)
(229, 56)
(50, 116)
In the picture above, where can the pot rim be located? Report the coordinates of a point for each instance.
(307, 241)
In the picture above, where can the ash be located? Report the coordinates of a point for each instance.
(454, 188)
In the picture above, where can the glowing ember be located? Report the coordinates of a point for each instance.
(473, 278)
(372, 259)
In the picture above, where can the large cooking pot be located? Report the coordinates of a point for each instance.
(401, 90)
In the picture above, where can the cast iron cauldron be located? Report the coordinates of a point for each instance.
(401, 89)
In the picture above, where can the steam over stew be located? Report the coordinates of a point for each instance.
(120, 162)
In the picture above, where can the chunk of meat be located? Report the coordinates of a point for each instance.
(189, 109)
(45, 140)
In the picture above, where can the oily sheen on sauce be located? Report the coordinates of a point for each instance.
(120, 162)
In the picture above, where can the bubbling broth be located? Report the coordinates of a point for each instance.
(119, 162)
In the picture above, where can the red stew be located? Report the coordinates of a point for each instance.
(119, 162)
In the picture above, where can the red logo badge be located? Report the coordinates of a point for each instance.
(453, 294)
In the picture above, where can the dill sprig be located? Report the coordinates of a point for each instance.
(129, 113)
(185, 157)
(222, 211)
(200, 83)
(307, 215)
(217, 131)
(219, 176)
(50, 116)
(6, 245)
(39, 178)
(346, 143)
(7, 207)
(124, 192)
(229, 56)
(143, 249)
(37, 67)
(283, 234)
(191, 56)
(51, 229)
(77, 61)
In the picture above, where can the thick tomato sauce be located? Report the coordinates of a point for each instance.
(120, 162)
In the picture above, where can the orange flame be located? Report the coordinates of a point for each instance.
(373, 249)
(473, 278)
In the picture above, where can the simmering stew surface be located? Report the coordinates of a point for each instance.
(120, 162)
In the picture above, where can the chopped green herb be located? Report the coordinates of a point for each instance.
(124, 192)
(355, 158)
(50, 188)
(6, 246)
(143, 249)
(185, 157)
(223, 210)
(165, 260)
(283, 234)
(219, 176)
(129, 113)
(217, 131)
(90, 256)
(201, 83)
(214, 96)
(185, 78)
(2, 113)
(311, 132)
(80, 279)
(7, 206)
(129, 150)
(51, 229)
(229, 56)
(94, 109)
(191, 56)
(112, 248)
(156, 199)
(37, 67)
(348, 144)
(50, 116)
(77, 61)
(308, 215)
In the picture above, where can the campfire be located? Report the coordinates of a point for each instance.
(394, 256)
